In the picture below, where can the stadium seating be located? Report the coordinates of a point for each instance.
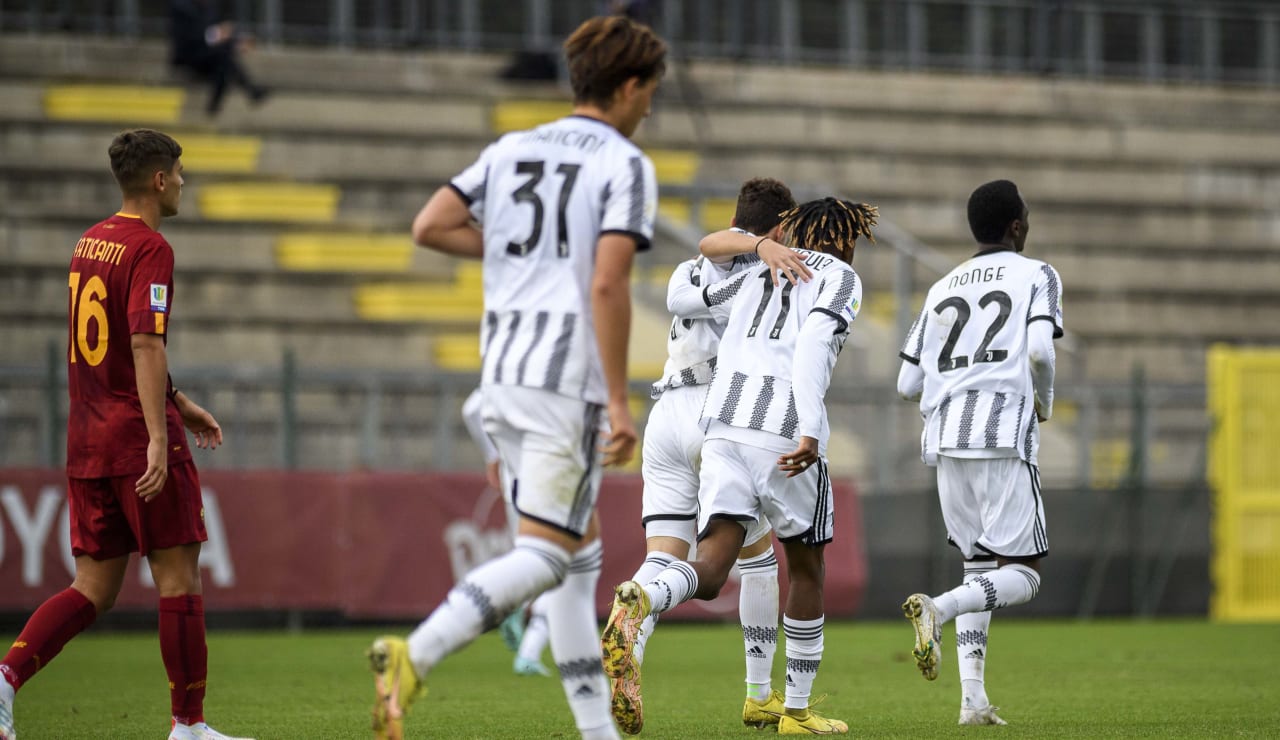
(1157, 204)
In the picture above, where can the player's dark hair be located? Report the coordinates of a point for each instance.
(992, 207)
(761, 203)
(605, 52)
(138, 154)
(830, 225)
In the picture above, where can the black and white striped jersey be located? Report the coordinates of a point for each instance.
(779, 346)
(970, 341)
(692, 343)
(543, 198)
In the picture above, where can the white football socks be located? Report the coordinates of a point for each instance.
(654, 563)
(536, 632)
(758, 612)
(971, 644)
(804, 654)
(485, 596)
(1009, 585)
(575, 644)
(672, 587)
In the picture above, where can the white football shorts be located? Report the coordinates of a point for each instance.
(670, 461)
(992, 506)
(743, 483)
(548, 446)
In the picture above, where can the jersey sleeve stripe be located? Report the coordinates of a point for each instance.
(642, 241)
(841, 324)
(843, 293)
(909, 358)
(462, 194)
(1057, 330)
(635, 219)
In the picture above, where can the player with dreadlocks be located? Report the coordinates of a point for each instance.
(766, 434)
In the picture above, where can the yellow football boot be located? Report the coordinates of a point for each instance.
(395, 686)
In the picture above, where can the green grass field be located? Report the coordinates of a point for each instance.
(1166, 679)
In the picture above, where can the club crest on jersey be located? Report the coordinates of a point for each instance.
(159, 297)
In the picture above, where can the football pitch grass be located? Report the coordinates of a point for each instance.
(1113, 679)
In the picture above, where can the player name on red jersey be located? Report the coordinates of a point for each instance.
(100, 250)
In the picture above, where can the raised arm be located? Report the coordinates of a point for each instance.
(722, 246)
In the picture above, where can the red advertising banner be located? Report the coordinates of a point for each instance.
(368, 545)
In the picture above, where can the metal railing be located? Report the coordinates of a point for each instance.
(1153, 40)
(291, 417)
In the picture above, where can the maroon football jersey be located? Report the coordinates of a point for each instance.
(121, 284)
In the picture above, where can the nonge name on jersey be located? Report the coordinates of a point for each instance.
(976, 275)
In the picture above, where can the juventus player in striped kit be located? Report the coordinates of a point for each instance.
(980, 360)
(764, 457)
(672, 456)
(562, 209)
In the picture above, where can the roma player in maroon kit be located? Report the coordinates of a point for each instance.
(132, 486)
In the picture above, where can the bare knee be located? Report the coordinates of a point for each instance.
(176, 570)
(102, 598)
(99, 581)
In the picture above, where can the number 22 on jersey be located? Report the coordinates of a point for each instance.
(87, 305)
(946, 360)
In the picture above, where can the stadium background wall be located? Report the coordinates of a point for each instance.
(387, 546)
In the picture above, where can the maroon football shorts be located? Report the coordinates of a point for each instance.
(108, 519)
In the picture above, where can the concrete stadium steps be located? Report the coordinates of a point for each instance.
(246, 296)
(862, 172)
(434, 73)
(390, 205)
(201, 247)
(1110, 269)
(219, 341)
(886, 180)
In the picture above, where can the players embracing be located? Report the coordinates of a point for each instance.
(766, 431)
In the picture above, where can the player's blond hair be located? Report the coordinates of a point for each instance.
(830, 225)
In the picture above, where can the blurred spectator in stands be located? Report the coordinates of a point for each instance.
(210, 47)
(544, 65)
(640, 11)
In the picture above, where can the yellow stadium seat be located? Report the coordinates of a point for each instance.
(517, 115)
(287, 202)
(336, 252)
(429, 302)
(674, 166)
(231, 155)
(457, 352)
(717, 213)
(114, 103)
